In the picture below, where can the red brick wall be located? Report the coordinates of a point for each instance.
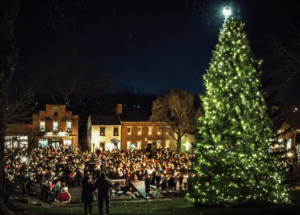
(134, 137)
(62, 117)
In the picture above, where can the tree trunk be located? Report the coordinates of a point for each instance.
(9, 58)
(3, 209)
(178, 149)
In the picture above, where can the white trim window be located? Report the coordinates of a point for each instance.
(167, 129)
(158, 143)
(140, 128)
(69, 127)
(150, 128)
(55, 126)
(139, 144)
(129, 129)
(42, 126)
(167, 144)
(43, 143)
(159, 130)
(128, 145)
(68, 143)
(288, 144)
(102, 131)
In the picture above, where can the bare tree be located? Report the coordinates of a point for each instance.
(175, 110)
(286, 58)
(77, 82)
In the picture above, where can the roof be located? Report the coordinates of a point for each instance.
(135, 113)
(105, 120)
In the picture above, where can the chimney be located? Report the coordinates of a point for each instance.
(119, 109)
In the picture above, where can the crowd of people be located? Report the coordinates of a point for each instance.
(58, 169)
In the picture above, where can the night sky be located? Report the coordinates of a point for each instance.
(162, 47)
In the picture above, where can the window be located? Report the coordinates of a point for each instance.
(159, 143)
(102, 131)
(68, 143)
(55, 126)
(167, 129)
(167, 144)
(42, 126)
(288, 144)
(159, 131)
(43, 143)
(150, 130)
(128, 145)
(69, 127)
(116, 131)
(129, 130)
(55, 111)
(140, 130)
(139, 145)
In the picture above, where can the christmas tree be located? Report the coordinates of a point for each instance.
(233, 163)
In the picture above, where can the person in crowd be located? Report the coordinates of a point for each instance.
(42, 182)
(56, 189)
(147, 183)
(87, 194)
(79, 177)
(103, 184)
(164, 184)
(29, 186)
(127, 177)
(185, 180)
(175, 179)
(46, 188)
(157, 179)
(180, 180)
(70, 179)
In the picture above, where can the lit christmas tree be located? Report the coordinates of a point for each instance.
(233, 163)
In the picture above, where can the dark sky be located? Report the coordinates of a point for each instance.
(162, 47)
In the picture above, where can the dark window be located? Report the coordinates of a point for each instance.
(55, 111)
(102, 131)
(116, 131)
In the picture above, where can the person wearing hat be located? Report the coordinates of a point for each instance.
(103, 184)
(87, 193)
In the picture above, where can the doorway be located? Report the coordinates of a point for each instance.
(55, 143)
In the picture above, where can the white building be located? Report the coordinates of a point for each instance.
(103, 131)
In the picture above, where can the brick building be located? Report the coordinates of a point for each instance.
(137, 132)
(19, 135)
(130, 128)
(56, 126)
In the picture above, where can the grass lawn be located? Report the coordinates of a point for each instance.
(167, 207)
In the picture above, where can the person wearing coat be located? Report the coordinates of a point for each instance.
(147, 183)
(70, 179)
(157, 179)
(87, 194)
(103, 184)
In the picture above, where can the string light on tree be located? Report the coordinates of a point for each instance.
(231, 145)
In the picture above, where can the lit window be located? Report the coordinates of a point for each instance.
(150, 131)
(68, 143)
(167, 129)
(139, 144)
(159, 143)
(69, 126)
(55, 126)
(102, 131)
(43, 143)
(129, 130)
(159, 131)
(42, 126)
(128, 145)
(116, 131)
(140, 130)
(288, 144)
(167, 144)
